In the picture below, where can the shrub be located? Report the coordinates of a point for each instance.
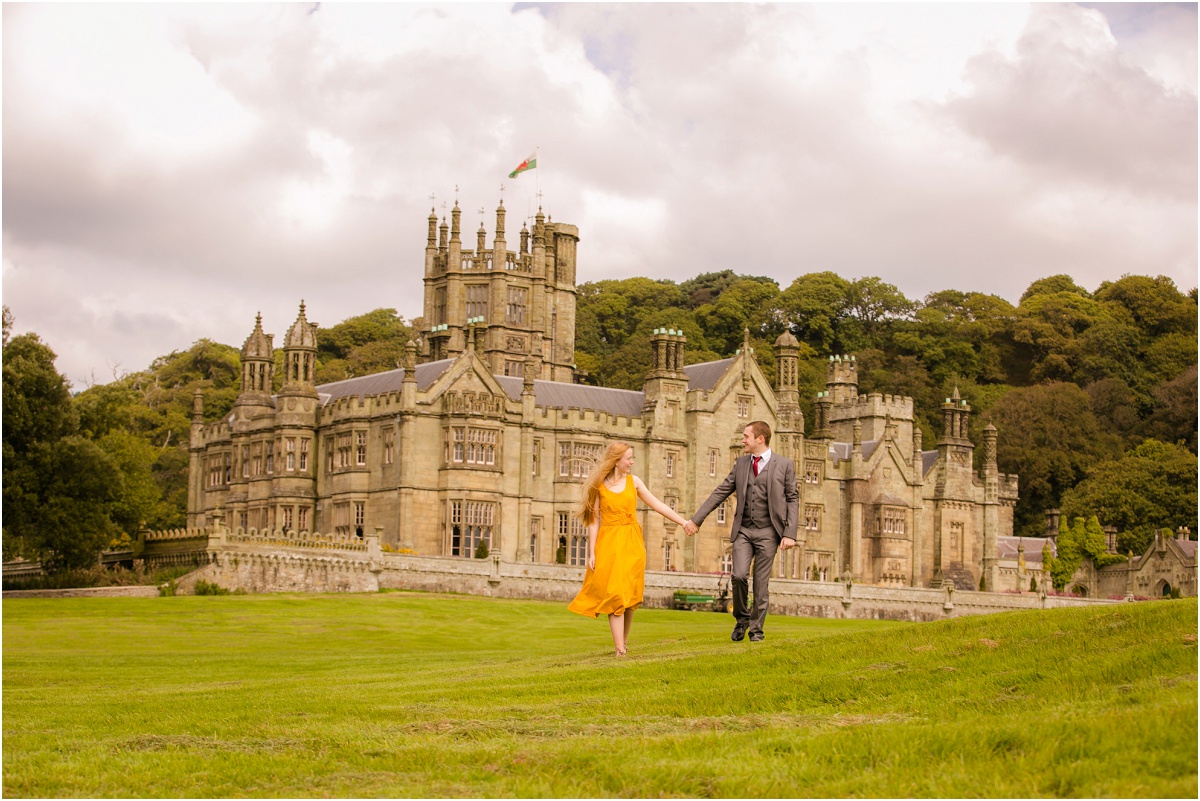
(481, 550)
(209, 588)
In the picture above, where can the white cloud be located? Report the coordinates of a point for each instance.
(169, 170)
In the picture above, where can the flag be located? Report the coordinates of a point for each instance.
(528, 164)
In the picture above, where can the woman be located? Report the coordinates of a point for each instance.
(616, 554)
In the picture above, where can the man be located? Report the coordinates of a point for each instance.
(768, 507)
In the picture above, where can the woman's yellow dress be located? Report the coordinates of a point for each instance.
(619, 578)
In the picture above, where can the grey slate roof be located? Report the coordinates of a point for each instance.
(1188, 547)
(841, 450)
(1006, 548)
(625, 402)
(705, 375)
(381, 383)
(928, 460)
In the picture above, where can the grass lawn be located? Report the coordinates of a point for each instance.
(411, 694)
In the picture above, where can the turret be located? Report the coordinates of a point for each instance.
(258, 367)
(300, 357)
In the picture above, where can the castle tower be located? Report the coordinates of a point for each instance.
(300, 358)
(523, 303)
(789, 423)
(258, 368)
(294, 477)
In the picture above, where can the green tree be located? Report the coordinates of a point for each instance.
(745, 303)
(59, 488)
(1152, 486)
(1048, 435)
(815, 306)
(1173, 415)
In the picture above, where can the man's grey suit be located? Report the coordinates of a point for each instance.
(768, 509)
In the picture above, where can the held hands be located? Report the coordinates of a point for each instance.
(690, 527)
(786, 542)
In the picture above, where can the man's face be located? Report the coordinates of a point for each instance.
(750, 443)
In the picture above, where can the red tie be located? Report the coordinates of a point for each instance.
(756, 458)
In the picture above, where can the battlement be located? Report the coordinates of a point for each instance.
(177, 534)
(296, 539)
(574, 415)
(898, 407)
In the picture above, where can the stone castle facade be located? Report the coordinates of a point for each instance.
(483, 436)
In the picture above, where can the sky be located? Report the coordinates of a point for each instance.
(170, 170)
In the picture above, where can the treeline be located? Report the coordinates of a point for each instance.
(1094, 393)
(1075, 381)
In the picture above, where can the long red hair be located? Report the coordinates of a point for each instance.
(604, 469)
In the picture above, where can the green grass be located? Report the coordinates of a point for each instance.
(408, 694)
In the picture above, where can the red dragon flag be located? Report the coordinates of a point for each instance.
(528, 164)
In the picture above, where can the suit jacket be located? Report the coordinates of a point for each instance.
(783, 497)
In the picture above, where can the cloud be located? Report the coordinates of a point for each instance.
(169, 170)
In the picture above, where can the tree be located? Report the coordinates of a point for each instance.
(59, 488)
(815, 306)
(1053, 285)
(1082, 539)
(1152, 486)
(1048, 435)
(745, 303)
(1173, 416)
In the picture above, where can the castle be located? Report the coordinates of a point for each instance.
(484, 437)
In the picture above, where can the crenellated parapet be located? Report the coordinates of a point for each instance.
(296, 539)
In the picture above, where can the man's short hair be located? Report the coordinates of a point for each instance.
(760, 429)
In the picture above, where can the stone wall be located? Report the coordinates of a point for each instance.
(263, 567)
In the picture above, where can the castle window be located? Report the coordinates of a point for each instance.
(514, 367)
(271, 449)
(537, 456)
(245, 463)
(535, 533)
(360, 447)
(303, 524)
(721, 512)
(287, 518)
(343, 450)
(439, 305)
(472, 446)
(290, 446)
(727, 561)
(478, 520)
(227, 472)
(576, 459)
(667, 556)
(892, 520)
(243, 520)
(743, 406)
(360, 517)
(712, 462)
(812, 518)
(670, 465)
(571, 529)
(812, 473)
(258, 449)
(329, 454)
(341, 519)
(516, 306)
(304, 453)
(672, 502)
(477, 300)
(389, 445)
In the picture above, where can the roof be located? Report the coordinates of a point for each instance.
(705, 375)
(928, 460)
(381, 383)
(840, 451)
(626, 402)
(1006, 547)
(1188, 547)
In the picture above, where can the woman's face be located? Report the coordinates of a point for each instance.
(626, 463)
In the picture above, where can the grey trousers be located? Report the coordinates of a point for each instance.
(758, 545)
